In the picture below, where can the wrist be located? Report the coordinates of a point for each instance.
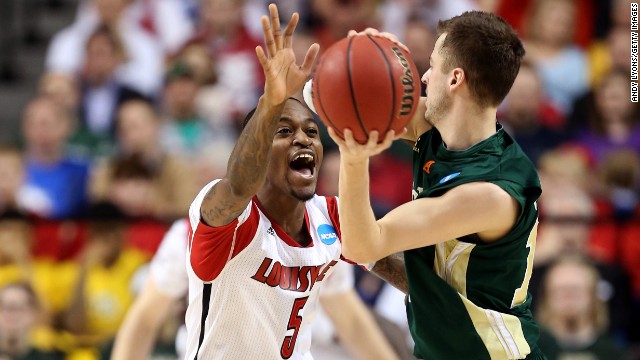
(266, 104)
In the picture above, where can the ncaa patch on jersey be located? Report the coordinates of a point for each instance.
(449, 177)
(327, 234)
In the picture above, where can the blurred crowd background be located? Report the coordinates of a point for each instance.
(116, 112)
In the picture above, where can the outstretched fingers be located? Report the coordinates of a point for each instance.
(275, 25)
(262, 57)
(312, 53)
(288, 31)
(269, 41)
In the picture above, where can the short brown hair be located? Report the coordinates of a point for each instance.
(487, 48)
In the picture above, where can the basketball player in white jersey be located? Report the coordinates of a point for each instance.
(167, 283)
(261, 242)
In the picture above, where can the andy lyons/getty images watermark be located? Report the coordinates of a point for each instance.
(634, 52)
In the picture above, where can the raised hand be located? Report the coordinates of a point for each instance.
(283, 77)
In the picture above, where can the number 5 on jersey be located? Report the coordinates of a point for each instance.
(294, 323)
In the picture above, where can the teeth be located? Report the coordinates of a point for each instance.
(307, 157)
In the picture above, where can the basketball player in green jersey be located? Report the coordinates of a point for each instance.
(468, 237)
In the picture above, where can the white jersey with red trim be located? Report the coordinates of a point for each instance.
(253, 290)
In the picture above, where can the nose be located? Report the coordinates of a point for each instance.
(425, 77)
(302, 138)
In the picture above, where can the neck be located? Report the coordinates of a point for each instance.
(466, 126)
(575, 331)
(13, 344)
(149, 152)
(45, 156)
(286, 211)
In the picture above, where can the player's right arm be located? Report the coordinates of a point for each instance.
(247, 167)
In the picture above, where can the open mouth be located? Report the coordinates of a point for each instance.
(304, 164)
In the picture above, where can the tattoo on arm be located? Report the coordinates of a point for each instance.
(246, 170)
(391, 269)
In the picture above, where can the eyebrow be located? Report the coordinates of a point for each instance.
(306, 120)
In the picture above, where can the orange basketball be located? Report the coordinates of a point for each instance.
(365, 83)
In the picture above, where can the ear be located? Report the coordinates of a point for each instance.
(456, 78)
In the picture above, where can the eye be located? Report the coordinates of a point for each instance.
(284, 130)
(312, 131)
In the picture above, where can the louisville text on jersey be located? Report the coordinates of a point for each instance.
(293, 278)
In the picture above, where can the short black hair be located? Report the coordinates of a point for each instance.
(250, 114)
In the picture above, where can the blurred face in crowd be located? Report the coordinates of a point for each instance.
(612, 98)
(569, 288)
(180, 97)
(568, 211)
(199, 60)
(17, 315)
(102, 59)
(420, 40)
(106, 242)
(15, 240)
(554, 21)
(222, 16)
(45, 126)
(618, 41)
(138, 127)
(524, 98)
(11, 175)
(61, 88)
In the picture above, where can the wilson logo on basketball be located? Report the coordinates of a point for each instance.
(407, 83)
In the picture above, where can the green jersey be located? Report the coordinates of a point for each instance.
(468, 299)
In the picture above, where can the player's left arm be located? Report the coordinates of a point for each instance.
(356, 326)
(391, 269)
(137, 334)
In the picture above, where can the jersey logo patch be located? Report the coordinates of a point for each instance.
(427, 166)
(327, 234)
(449, 177)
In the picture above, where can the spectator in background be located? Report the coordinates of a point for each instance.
(58, 181)
(103, 290)
(525, 115)
(612, 53)
(613, 121)
(336, 17)
(222, 31)
(167, 21)
(572, 313)
(19, 313)
(143, 66)
(567, 215)
(396, 16)
(562, 66)
(213, 101)
(166, 185)
(101, 92)
(15, 196)
(186, 132)
(620, 179)
(15, 239)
